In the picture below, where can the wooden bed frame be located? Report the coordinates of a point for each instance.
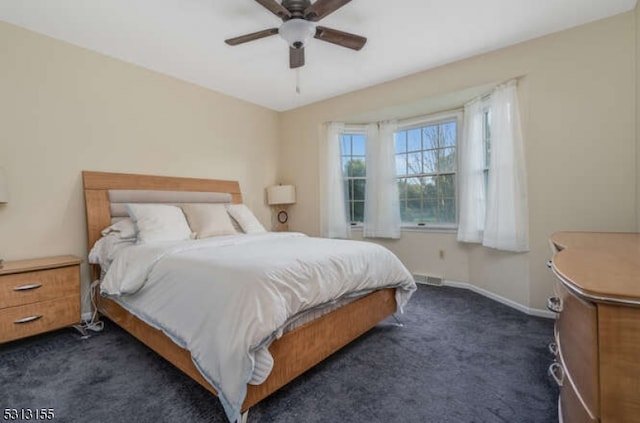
(294, 353)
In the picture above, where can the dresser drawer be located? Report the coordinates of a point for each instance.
(20, 321)
(577, 339)
(42, 285)
(571, 409)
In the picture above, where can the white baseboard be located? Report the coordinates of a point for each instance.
(530, 311)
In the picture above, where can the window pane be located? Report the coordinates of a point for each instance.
(345, 166)
(431, 209)
(427, 193)
(448, 210)
(430, 160)
(401, 164)
(429, 186)
(358, 145)
(430, 136)
(358, 211)
(403, 211)
(402, 189)
(356, 167)
(413, 210)
(414, 188)
(448, 130)
(358, 189)
(345, 144)
(350, 189)
(401, 141)
(446, 186)
(447, 160)
(353, 150)
(413, 140)
(414, 163)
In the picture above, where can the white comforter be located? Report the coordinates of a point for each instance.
(226, 298)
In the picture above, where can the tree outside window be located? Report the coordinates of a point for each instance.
(426, 166)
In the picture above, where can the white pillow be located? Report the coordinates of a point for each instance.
(245, 219)
(123, 228)
(208, 220)
(159, 222)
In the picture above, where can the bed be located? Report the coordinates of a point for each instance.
(293, 352)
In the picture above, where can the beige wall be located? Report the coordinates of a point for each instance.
(64, 109)
(579, 122)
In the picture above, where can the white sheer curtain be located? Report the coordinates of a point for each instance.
(507, 220)
(501, 220)
(333, 213)
(471, 175)
(382, 205)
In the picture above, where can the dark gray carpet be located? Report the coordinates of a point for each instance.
(460, 358)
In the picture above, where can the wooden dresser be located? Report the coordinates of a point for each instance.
(38, 295)
(597, 331)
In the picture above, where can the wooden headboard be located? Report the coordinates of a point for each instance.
(98, 184)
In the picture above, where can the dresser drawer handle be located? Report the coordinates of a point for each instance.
(553, 348)
(556, 372)
(554, 304)
(27, 287)
(28, 319)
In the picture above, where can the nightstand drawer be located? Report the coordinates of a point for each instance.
(18, 322)
(42, 285)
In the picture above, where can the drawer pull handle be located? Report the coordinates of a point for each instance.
(556, 372)
(554, 304)
(28, 319)
(27, 287)
(553, 348)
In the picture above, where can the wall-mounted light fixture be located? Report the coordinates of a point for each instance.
(282, 196)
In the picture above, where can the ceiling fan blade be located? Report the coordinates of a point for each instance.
(250, 37)
(322, 8)
(296, 57)
(341, 38)
(276, 8)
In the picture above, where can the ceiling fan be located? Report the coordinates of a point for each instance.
(299, 17)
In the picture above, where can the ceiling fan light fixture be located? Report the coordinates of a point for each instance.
(296, 32)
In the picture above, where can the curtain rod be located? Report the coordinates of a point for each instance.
(488, 93)
(358, 126)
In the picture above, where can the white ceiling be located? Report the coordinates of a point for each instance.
(184, 38)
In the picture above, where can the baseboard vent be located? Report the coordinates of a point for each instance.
(427, 280)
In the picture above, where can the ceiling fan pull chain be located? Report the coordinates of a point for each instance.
(297, 80)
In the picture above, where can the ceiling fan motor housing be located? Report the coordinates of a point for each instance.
(296, 7)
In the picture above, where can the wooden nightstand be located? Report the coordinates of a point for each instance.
(39, 295)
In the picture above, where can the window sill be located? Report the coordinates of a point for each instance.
(425, 229)
(438, 229)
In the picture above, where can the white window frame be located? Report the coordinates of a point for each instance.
(427, 120)
(486, 144)
(353, 130)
